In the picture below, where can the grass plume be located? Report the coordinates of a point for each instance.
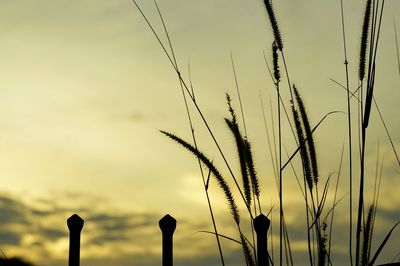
(367, 237)
(322, 241)
(274, 24)
(277, 73)
(303, 151)
(220, 180)
(247, 252)
(364, 40)
(251, 169)
(234, 127)
(308, 135)
(242, 159)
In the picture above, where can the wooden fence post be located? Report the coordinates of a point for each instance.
(75, 225)
(261, 226)
(167, 226)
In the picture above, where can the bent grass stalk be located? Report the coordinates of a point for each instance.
(193, 100)
(205, 183)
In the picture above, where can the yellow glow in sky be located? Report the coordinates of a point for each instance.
(85, 89)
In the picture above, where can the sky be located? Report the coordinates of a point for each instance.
(85, 89)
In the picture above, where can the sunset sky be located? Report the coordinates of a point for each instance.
(85, 89)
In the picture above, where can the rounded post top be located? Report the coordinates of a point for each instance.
(167, 224)
(75, 223)
(261, 223)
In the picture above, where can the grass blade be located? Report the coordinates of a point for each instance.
(397, 46)
(382, 245)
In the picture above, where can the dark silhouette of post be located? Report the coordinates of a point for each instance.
(167, 226)
(261, 225)
(75, 225)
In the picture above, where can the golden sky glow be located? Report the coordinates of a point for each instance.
(85, 88)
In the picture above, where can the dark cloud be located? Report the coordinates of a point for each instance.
(392, 215)
(53, 234)
(13, 220)
(109, 221)
(10, 238)
(108, 238)
(110, 227)
(12, 211)
(134, 237)
(45, 223)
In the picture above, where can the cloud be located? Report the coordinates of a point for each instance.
(12, 211)
(13, 219)
(10, 238)
(37, 230)
(137, 116)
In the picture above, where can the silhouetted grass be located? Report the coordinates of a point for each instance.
(315, 195)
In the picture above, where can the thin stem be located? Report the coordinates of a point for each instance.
(289, 249)
(282, 103)
(312, 131)
(308, 224)
(334, 202)
(349, 136)
(287, 76)
(380, 117)
(271, 235)
(280, 175)
(387, 131)
(238, 93)
(192, 133)
(273, 163)
(397, 46)
(197, 107)
(361, 196)
(369, 97)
